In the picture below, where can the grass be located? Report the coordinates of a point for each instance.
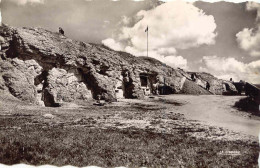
(112, 147)
(78, 137)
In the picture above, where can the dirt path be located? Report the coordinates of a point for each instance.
(216, 110)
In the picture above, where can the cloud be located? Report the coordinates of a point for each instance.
(170, 60)
(23, 2)
(249, 39)
(126, 20)
(172, 26)
(227, 68)
(112, 44)
(167, 51)
(176, 61)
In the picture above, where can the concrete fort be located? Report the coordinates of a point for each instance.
(47, 68)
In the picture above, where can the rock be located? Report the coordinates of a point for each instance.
(66, 86)
(18, 77)
(228, 86)
(48, 116)
(2, 83)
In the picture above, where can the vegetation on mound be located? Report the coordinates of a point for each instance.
(248, 105)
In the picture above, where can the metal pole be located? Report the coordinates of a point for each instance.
(147, 41)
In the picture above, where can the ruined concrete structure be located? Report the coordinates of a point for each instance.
(47, 68)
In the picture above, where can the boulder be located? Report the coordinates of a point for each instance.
(18, 77)
(65, 86)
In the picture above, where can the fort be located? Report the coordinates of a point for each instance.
(48, 69)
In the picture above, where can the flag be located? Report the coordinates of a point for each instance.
(146, 29)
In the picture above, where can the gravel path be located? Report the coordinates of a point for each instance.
(217, 111)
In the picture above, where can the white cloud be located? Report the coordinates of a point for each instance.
(227, 68)
(167, 51)
(172, 26)
(249, 39)
(112, 44)
(23, 2)
(125, 20)
(175, 24)
(170, 60)
(223, 64)
(176, 61)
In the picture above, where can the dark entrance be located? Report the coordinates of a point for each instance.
(144, 80)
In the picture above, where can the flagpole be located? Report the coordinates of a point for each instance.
(147, 41)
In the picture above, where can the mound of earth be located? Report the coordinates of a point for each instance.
(47, 68)
(191, 87)
(248, 105)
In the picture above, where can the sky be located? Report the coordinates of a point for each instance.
(222, 38)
